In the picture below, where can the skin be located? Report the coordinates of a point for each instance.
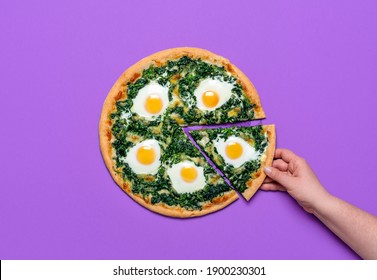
(291, 173)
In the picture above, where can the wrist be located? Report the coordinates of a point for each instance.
(322, 203)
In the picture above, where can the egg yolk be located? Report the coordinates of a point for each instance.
(189, 173)
(233, 150)
(146, 155)
(153, 104)
(210, 98)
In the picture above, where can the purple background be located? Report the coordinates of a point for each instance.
(314, 65)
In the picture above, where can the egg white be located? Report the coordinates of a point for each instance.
(153, 88)
(140, 168)
(180, 185)
(223, 89)
(248, 152)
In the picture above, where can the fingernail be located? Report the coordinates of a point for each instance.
(267, 170)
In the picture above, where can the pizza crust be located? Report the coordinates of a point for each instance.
(254, 184)
(119, 92)
(179, 212)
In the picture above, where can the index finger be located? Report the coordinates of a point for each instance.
(285, 154)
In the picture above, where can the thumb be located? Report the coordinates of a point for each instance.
(281, 177)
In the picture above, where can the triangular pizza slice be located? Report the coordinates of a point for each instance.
(240, 153)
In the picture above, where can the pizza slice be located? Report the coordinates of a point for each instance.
(240, 153)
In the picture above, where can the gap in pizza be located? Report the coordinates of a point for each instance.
(141, 129)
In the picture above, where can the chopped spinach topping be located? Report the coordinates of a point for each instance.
(182, 77)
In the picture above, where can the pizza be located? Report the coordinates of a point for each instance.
(141, 129)
(240, 153)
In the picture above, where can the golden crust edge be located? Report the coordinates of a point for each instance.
(254, 184)
(179, 212)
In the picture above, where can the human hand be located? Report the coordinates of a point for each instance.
(293, 174)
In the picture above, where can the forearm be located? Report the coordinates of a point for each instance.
(357, 228)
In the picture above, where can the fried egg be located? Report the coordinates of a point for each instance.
(151, 101)
(186, 177)
(235, 151)
(144, 157)
(211, 94)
